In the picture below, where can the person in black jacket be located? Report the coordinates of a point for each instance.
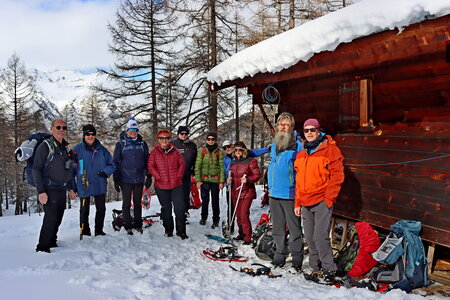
(52, 175)
(130, 158)
(188, 150)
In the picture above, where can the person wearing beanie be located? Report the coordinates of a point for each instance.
(95, 165)
(244, 173)
(281, 186)
(131, 156)
(319, 174)
(188, 150)
(210, 177)
(167, 167)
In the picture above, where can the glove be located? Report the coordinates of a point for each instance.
(148, 181)
(117, 186)
(102, 174)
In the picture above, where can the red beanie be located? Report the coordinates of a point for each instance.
(312, 122)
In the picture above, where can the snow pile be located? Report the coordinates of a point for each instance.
(325, 34)
(147, 266)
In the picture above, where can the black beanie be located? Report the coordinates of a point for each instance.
(240, 144)
(89, 128)
(213, 134)
(182, 129)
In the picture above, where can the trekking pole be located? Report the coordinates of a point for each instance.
(238, 198)
(230, 201)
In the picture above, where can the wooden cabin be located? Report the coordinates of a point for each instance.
(385, 98)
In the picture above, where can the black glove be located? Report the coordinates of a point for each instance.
(117, 186)
(102, 174)
(148, 181)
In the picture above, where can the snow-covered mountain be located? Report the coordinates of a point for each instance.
(64, 86)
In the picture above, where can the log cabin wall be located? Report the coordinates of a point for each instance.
(409, 107)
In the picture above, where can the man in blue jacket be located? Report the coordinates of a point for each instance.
(281, 181)
(95, 165)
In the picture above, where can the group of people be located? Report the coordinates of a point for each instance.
(304, 178)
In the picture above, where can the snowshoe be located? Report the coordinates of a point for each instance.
(262, 270)
(228, 253)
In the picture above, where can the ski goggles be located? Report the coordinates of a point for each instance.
(133, 129)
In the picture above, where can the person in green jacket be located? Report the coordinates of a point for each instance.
(210, 176)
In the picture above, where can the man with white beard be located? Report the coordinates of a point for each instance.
(281, 182)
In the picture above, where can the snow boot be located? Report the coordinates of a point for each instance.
(279, 260)
(202, 222)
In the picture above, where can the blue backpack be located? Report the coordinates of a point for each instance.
(403, 249)
(26, 153)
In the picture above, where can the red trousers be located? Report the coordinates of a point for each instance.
(243, 218)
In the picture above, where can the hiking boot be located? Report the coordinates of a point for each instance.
(39, 248)
(329, 276)
(99, 233)
(86, 231)
(139, 230)
(168, 234)
(246, 243)
(314, 276)
(215, 225)
(297, 262)
(238, 238)
(202, 221)
(130, 232)
(279, 260)
(183, 236)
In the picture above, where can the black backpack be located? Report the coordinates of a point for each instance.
(26, 153)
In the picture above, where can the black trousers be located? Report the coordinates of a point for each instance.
(230, 208)
(204, 192)
(135, 190)
(100, 210)
(167, 199)
(53, 215)
(186, 191)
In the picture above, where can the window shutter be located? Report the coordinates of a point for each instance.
(355, 103)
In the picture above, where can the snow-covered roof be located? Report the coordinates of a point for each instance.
(326, 33)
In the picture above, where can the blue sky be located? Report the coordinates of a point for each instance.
(57, 34)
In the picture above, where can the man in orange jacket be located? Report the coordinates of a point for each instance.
(319, 175)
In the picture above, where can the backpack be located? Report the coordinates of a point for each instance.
(26, 153)
(262, 238)
(354, 257)
(403, 250)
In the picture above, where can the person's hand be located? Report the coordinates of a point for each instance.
(43, 198)
(102, 174)
(229, 181)
(199, 184)
(298, 211)
(72, 195)
(243, 179)
(117, 186)
(148, 181)
(221, 185)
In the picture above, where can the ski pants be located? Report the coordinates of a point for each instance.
(167, 199)
(243, 217)
(186, 183)
(53, 215)
(283, 214)
(317, 222)
(100, 210)
(204, 191)
(135, 190)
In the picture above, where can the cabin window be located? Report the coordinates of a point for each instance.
(355, 104)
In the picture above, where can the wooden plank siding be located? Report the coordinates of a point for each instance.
(411, 113)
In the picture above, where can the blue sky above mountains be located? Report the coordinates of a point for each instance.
(57, 34)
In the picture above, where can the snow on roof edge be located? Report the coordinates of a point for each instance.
(326, 34)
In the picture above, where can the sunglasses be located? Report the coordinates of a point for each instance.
(164, 138)
(133, 130)
(211, 139)
(90, 134)
(61, 127)
(183, 133)
(306, 130)
(238, 149)
(226, 147)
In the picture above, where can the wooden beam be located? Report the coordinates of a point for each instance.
(430, 257)
(266, 119)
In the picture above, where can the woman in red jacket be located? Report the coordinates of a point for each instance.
(167, 168)
(244, 172)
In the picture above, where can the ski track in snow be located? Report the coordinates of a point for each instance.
(147, 266)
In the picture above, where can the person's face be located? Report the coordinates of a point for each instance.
(183, 135)
(311, 133)
(229, 149)
(164, 141)
(285, 126)
(238, 152)
(210, 140)
(89, 138)
(132, 133)
(59, 130)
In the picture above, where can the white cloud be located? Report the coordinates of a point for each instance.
(57, 34)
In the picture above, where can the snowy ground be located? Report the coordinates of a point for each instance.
(148, 266)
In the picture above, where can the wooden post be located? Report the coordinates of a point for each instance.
(430, 257)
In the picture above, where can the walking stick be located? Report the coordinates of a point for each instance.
(227, 234)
